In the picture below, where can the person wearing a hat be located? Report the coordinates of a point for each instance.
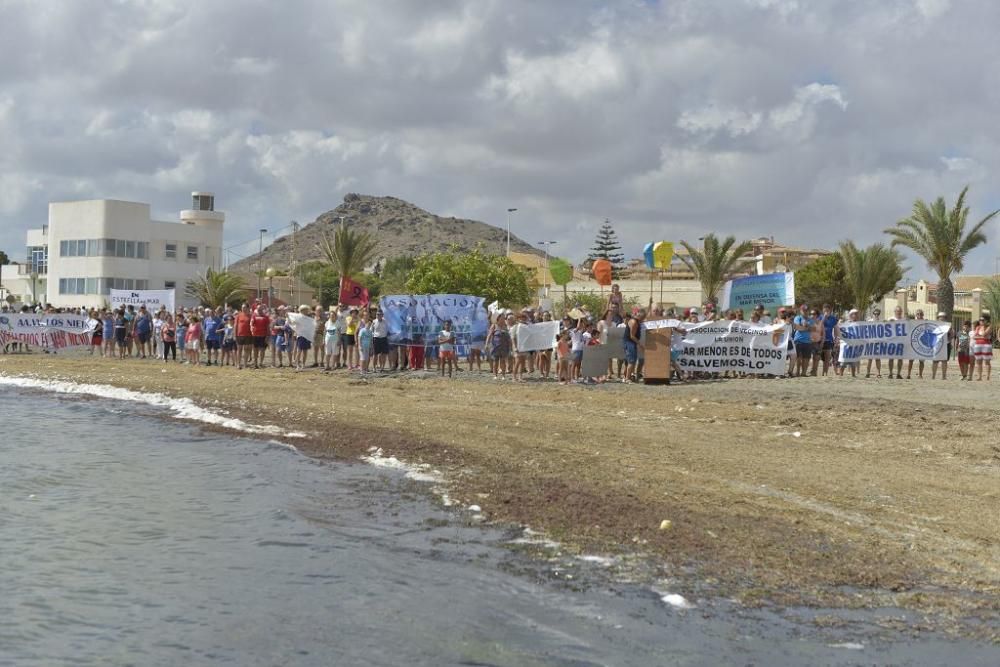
(303, 340)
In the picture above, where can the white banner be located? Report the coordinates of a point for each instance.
(302, 325)
(727, 345)
(538, 336)
(48, 332)
(153, 299)
(922, 340)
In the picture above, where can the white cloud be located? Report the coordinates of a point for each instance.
(809, 121)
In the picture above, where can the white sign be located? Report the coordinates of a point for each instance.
(538, 336)
(153, 299)
(728, 345)
(923, 340)
(303, 325)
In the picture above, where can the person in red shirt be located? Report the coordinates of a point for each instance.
(260, 327)
(244, 340)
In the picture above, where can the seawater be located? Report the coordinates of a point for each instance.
(130, 538)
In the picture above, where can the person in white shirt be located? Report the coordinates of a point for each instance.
(520, 357)
(380, 341)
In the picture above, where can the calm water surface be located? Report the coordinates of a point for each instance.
(127, 538)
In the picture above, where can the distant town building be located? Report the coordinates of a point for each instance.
(90, 247)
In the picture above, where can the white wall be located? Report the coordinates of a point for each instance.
(98, 219)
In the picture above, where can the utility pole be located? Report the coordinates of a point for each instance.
(260, 261)
(509, 211)
(546, 245)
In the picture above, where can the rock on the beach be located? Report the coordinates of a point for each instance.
(665, 524)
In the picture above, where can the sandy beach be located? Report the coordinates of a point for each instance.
(824, 492)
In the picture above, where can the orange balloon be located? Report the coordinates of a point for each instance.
(601, 270)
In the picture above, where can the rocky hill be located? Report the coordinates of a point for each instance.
(400, 228)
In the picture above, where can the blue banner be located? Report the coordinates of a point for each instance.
(770, 289)
(416, 319)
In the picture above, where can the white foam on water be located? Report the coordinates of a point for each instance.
(852, 646)
(675, 600)
(418, 473)
(603, 561)
(183, 408)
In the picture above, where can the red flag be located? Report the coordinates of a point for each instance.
(352, 293)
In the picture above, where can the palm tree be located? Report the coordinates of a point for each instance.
(938, 235)
(716, 263)
(348, 251)
(991, 300)
(869, 273)
(217, 288)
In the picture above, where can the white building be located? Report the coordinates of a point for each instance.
(91, 247)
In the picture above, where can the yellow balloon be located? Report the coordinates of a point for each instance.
(663, 254)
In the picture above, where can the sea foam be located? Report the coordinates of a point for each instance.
(183, 408)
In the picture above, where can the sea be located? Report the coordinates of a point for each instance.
(132, 534)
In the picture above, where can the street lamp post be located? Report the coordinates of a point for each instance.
(270, 286)
(509, 211)
(260, 261)
(546, 244)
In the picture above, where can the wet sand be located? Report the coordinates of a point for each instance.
(824, 492)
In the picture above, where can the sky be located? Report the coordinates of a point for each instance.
(813, 121)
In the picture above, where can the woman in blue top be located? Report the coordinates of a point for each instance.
(109, 335)
(801, 328)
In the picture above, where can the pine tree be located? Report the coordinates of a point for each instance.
(606, 246)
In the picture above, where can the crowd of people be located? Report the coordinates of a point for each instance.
(356, 339)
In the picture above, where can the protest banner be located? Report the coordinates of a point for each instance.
(153, 299)
(539, 336)
(771, 289)
(920, 340)
(48, 332)
(302, 325)
(416, 319)
(728, 345)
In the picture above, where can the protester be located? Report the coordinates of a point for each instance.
(244, 337)
(380, 341)
(168, 335)
(982, 348)
(331, 342)
(260, 328)
(446, 342)
(876, 315)
(965, 358)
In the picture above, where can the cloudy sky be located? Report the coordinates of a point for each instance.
(810, 120)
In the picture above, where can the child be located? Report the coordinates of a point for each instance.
(192, 341)
(965, 350)
(182, 327)
(446, 341)
(563, 356)
(365, 342)
(229, 342)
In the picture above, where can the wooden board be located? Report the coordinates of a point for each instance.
(657, 366)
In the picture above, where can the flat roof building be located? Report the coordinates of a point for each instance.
(90, 247)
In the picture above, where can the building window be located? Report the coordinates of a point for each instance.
(119, 248)
(171, 252)
(38, 259)
(142, 249)
(169, 284)
(109, 247)
(193, 252)
(93, 246)
(72, 286)
(130, 249)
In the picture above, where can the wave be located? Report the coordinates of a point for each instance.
(183, 408)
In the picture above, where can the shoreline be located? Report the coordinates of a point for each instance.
(598, 471)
